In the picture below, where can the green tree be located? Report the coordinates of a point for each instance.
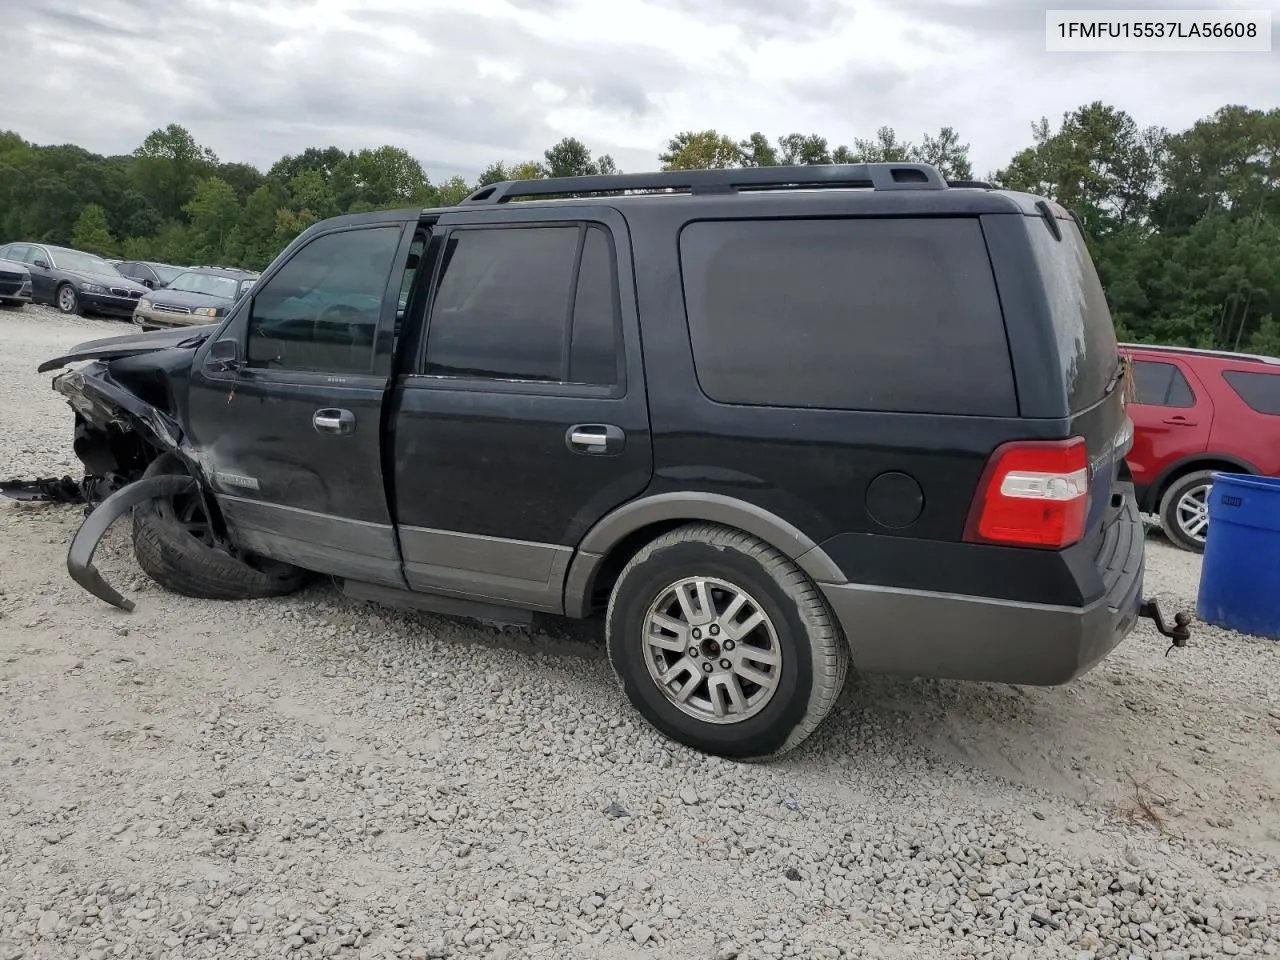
(215, 215)
(91, 234)
(167, 166)
(704, 150)
(947, 153)
(757, 151)
(803, 148)
(884, 147)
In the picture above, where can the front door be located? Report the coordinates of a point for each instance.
(291, 443)
(522, 419)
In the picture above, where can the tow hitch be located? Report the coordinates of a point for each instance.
(1179, 633)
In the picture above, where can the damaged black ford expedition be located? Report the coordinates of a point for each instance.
(769, 423)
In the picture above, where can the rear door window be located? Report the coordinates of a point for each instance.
(1261, 391)
(1161, 384)
(1082, 321)
(848, 314)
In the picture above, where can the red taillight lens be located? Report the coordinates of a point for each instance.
(1034, 493)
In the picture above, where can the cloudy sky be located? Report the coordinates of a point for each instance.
(461, 83)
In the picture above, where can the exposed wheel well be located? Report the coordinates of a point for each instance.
(1209, 463)
(620, 555)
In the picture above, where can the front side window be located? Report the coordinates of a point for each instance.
(513, 303)
(320, 312)
(1161, 385)
(1261, 391)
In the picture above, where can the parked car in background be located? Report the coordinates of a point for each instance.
(15, 283)
(196, 296)
(75, 281)
(1195, 412)
(149, 273)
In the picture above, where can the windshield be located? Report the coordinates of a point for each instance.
(205, 283)
(166, 274)
(85, 263)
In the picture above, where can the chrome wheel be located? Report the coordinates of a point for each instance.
(712, 650)
(1192, 513)
(66, 300)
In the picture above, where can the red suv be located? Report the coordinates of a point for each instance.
(1194, 412)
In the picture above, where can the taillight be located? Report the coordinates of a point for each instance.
(1034, 493)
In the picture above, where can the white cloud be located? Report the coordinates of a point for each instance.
(461, 83)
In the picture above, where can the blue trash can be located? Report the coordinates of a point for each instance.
(1240, 579)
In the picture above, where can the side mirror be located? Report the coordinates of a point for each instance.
(224, 355)
(149, 284)
(41, 263)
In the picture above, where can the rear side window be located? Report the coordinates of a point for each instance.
(1082, 321)
(1161, 385)
(1261, 391)
(849, 314)
(526, 303)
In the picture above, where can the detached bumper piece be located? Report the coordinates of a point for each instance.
(85, 542)
(1179, 633)
(46, 490)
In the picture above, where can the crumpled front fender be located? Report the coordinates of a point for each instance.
(91, 532)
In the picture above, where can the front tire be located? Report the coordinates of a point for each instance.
(1184, 510)
(67, 299)
(723, 644)
(174, 547)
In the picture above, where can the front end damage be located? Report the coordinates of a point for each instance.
(125, 405)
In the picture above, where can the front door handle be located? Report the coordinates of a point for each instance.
(338, 423)
(595, 438)
(1180, 422)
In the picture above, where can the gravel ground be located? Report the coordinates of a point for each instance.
(314, 777)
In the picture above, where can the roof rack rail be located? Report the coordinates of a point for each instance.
(877, 176)
(971, 184)
(1202, 352)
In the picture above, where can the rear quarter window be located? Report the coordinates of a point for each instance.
(1261, 391)
(849, 314)
(1082, 324)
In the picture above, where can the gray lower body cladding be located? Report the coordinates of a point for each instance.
(949, 636)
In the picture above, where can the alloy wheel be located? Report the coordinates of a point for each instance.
(712, 650)
(1192, 513)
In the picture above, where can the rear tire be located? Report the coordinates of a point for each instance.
(170, 549)
(764, 619)
(1184, 510)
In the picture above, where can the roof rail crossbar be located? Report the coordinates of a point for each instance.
(877, 176)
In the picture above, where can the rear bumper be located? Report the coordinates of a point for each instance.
(956, 637)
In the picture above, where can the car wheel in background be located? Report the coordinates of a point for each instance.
(1184, 510)
(67, 299)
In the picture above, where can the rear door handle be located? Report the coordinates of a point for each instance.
(595, 438)
(338, 423)
(1180, 422)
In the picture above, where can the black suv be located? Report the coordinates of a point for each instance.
(769, 422)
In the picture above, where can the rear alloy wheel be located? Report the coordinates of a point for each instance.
(723, 644)
(68, 301)
(1184, 510)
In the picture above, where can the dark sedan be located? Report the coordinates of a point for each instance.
(15, 283)
(75, 281)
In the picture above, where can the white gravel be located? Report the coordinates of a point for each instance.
(314, 777)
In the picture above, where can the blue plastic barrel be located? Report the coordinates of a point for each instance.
(1240, 578)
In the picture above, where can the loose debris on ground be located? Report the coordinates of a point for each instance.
(313, 777)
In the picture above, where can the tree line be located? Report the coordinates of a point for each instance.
(1184, 226)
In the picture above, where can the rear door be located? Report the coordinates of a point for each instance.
(292, 443)
(1171, 413)
(522, 418)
